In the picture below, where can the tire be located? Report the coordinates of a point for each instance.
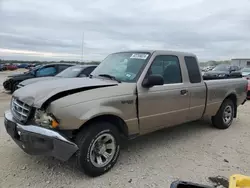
(87, 141)
(222, 120)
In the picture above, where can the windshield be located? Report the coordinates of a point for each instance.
(124, 66)
(245, 70)
(70, 72)
(221, 68)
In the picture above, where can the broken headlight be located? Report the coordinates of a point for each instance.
(45, 119)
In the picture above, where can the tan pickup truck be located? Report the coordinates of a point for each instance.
(129, 94)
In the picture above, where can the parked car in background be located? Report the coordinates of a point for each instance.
(34, 67)
(245, 72)
(71, 72)
(207, 68)
(1, 67)
(4, 67)
(128, 95)
(11, 67)
(222, 71)
(30, 66)
(23, 65)
(41, 71)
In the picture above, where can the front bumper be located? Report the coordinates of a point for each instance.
(36, 140)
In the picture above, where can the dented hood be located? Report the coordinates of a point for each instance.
(38, 93)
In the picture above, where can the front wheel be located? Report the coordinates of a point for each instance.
(99, 148)
(224, 117)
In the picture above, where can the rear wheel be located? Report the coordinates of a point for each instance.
(224, 117)
(99, 148)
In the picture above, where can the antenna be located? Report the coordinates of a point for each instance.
(82, 46)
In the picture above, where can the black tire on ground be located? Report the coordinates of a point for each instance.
(219, 120)
(90, 148)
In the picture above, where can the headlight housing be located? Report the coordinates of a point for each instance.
(45, 119)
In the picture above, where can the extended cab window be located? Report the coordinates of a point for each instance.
(193, 69)
(168, 67)
(46, 71)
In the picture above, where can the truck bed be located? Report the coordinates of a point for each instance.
(217, 90)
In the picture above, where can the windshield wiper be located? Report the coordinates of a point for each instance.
(110, 77)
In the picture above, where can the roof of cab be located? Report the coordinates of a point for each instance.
(161, 51)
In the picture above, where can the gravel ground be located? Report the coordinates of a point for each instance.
(191, 152)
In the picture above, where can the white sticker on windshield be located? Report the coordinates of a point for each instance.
(76, 70)
(139, 56)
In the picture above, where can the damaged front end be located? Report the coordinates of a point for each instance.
(36, 140)
(34, 129)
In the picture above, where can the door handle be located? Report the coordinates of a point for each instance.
(184, 92)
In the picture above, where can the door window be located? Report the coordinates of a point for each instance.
(168, 67)
(47, 71)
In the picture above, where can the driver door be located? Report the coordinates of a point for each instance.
(164, 105)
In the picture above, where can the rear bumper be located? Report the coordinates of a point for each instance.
(36, 140)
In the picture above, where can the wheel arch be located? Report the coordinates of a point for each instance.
(112, 119)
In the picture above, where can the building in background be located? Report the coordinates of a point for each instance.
(241, 62)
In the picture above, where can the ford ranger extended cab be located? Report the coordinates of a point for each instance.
(129, 94)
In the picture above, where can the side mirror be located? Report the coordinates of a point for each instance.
(152, 80)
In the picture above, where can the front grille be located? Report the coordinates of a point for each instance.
(248, 93)
(20, 110)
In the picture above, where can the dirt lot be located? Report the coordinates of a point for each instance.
(191, 152)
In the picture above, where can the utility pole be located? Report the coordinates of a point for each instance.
(82, 46)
